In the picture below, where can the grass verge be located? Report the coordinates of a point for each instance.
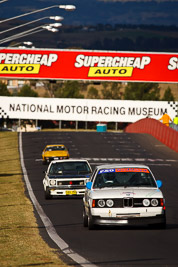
(20, 241)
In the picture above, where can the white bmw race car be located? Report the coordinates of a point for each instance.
(123, 195)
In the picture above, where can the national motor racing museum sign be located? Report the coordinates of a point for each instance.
(88, 65)
(83, 109)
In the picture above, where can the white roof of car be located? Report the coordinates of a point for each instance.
(69, 160)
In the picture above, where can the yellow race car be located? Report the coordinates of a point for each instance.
(54, 152)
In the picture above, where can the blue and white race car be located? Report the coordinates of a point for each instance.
(123, 195)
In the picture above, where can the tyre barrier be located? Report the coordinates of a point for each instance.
(164, 134)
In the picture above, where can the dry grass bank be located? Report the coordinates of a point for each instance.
(20, 242)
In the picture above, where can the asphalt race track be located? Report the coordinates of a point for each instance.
(121, 246)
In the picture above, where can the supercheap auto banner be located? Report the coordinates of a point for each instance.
(88, 65)
(71, 109)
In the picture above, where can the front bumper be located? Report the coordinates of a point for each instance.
(159, 219)
(128, 216)
(72, 191)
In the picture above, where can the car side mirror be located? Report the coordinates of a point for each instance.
(159, 183)
(89, 185)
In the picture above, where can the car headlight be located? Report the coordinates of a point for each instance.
(52, 182)
(154, 202)
(101, 203)
(146, 202)
(109, 203)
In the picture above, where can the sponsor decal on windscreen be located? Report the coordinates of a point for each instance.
(124, 170)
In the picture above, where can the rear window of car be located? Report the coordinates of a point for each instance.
(124, 177)
(61, 168)
(55, 148)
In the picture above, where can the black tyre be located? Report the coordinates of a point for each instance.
(91, 225)
(85, 218)
(47, 194)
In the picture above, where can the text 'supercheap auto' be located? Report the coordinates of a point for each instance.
(123, 195)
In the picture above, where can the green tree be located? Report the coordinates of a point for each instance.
(93, 93)
(3, 90)
(168, 96)
(70, 89)
(142, 91)
(26, 91)
(111, 90)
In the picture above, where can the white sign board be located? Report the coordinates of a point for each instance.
(83, 109)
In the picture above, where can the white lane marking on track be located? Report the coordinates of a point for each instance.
(153, 164)
(125, 159)
(46, 221)
(131, 159)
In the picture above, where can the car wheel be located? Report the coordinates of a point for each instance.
(90, 223)
(85, 218)
(47, 194)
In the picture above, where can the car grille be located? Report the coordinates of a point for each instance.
(80, 182)
(127, 202)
